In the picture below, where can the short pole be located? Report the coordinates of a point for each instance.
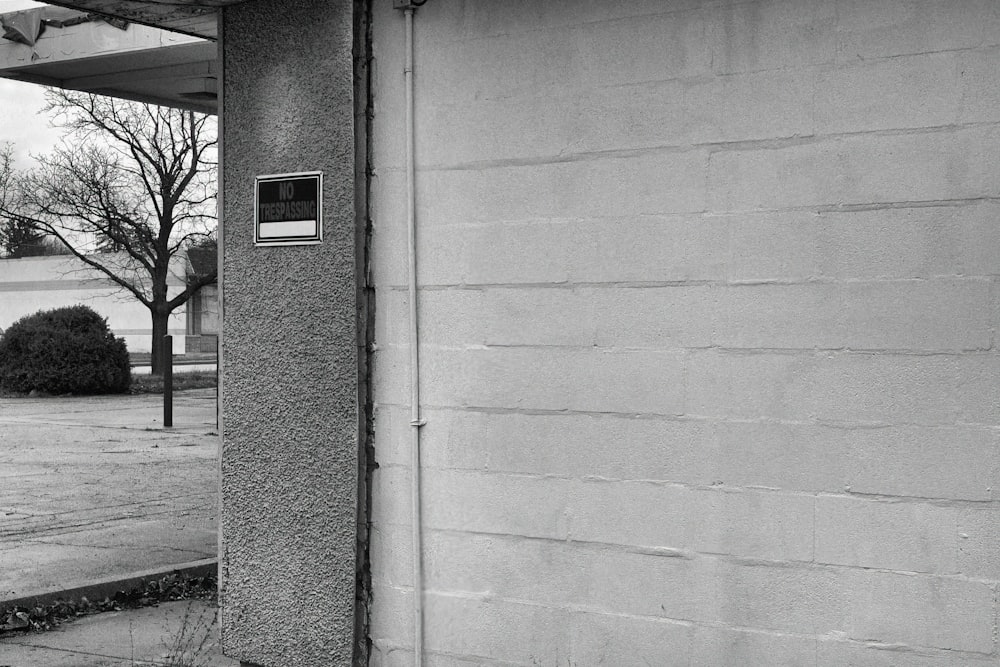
(168, 381)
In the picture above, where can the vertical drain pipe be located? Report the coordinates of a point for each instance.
(415, 420)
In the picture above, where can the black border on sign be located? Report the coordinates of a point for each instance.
(288, 240)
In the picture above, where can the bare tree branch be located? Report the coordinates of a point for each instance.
(131, 187)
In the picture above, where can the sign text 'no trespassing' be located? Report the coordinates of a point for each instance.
(288, 209)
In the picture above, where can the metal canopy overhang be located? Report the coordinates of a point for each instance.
(191, 17)
(164, 55)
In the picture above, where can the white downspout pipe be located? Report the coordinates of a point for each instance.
(415, 420)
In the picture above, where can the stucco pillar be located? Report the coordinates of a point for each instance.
(290, 372)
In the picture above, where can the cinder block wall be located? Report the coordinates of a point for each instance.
(708, 308)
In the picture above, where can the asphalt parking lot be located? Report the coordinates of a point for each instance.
(94, 488)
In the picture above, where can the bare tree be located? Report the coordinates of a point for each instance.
(130, 187)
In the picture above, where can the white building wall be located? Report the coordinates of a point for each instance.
(709, 310)
(42, 283)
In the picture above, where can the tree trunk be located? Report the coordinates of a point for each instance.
(159, 331)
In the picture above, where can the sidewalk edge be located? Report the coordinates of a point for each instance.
(98, 590)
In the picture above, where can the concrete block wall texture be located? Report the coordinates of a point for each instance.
(709, 310)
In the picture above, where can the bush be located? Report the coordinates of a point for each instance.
(63, 351)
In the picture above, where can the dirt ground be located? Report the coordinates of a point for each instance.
(94, 488)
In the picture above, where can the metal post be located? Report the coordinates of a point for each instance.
(168, 381)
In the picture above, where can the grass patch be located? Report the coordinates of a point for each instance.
(153, 384)
(145, 384)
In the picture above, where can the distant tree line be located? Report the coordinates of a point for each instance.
(19, 239)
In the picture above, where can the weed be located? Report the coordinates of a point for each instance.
(193, 643)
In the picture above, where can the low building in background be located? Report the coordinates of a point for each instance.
(31, 284)
(202, 310)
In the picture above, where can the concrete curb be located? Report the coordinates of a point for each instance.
(98, 590)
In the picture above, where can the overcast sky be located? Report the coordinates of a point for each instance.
(21, 120)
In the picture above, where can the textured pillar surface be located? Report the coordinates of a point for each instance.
(289, 455)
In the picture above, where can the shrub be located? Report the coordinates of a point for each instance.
(63, 351)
